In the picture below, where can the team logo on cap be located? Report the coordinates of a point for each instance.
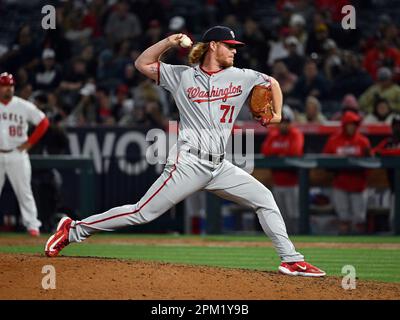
(233, 34)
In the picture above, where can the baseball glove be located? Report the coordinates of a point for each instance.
(261, 104)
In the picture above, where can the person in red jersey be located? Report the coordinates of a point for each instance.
(286, 141)
(390, 147)
(349, 197)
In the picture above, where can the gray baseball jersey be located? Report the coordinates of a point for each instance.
(208, 105)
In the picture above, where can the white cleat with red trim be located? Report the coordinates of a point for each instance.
(59, 240)
(301, 268)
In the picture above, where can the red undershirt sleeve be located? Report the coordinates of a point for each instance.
(39, 131)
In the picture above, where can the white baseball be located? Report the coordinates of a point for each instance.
(185, 42)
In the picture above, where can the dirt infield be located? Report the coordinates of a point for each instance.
(94, 278)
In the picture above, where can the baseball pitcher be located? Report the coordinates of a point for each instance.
(15, 115)
(209, 96)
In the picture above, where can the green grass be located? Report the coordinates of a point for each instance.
(377, 264)
(249, 238)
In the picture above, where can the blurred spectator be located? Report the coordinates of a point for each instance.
(177, 24)
(23, 53)
(286, 9)
(332, 7)
(25, 91)
(145, 115)
(85, 112)
(210, 13)
(76, 77)
(294, 61)
(47, 75)
(285, 141)
(381, 114)
(148, 91)
(332, 60)
(305, 8)
(285, 78)
(318, 18)
(311, 83)
(154, 33)
(297, 26)
(370, 41)
(383, 88)
(349, 103)
(104, 108)
(137, 117)
(147, 10)
(254, 40)
(390, 146)
(391, 35)
(107, 70)
(73, 28)
(382, 55)
(72, 82)
(122, 24)
(22, 78)
(349, 197)
(278, 49)
(45, 102)
(317, 38)
(312, 112)
(91, 19)
(351, 78)
(131, 76)
(55, 111)
(88, 57)
(122, 57)
(242, 8)
(123, 103)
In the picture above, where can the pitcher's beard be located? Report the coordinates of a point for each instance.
(226, 64)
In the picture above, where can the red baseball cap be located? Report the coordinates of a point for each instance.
(6, 79)
(350, 117)
(221, 33)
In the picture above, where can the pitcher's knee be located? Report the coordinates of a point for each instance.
(145, 215)
(268, 210)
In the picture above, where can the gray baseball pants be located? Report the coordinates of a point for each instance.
(184, 174)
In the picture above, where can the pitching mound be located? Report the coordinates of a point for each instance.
(94, 278)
